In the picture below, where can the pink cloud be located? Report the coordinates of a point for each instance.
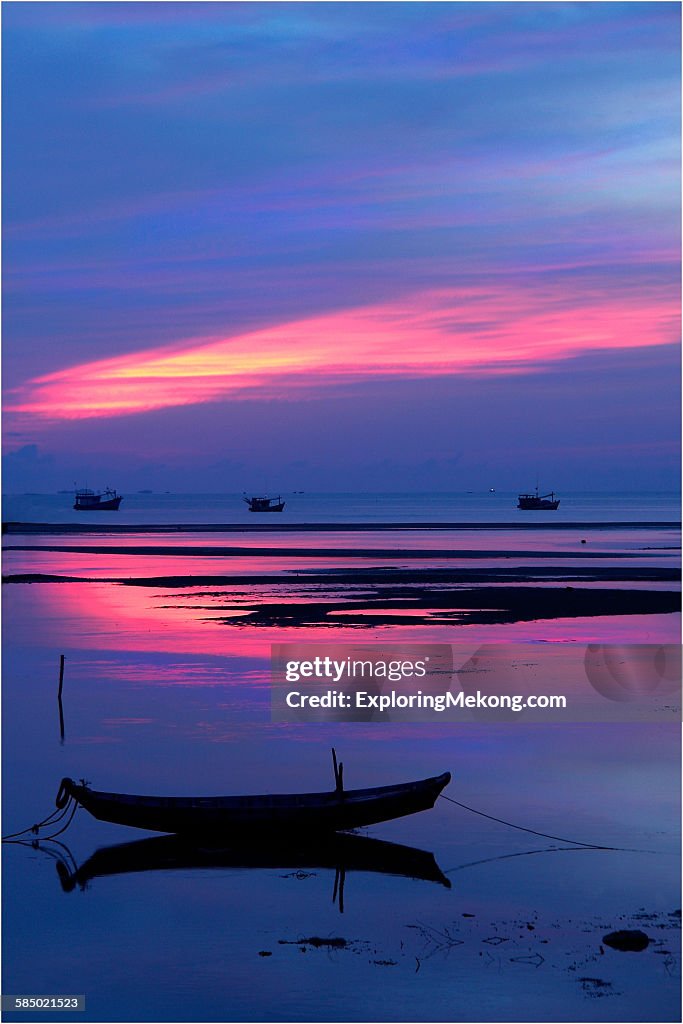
(480, 331)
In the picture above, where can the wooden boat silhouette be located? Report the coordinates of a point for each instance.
(87, 500)
(340, 853)
(336, 811)
(538, 502)
(264, 504)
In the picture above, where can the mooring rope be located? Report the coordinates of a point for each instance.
(510, 856)
(74, 808)
(521, 828)
(71, 806)
(52, 819)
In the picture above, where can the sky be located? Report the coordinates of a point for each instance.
(341, 246)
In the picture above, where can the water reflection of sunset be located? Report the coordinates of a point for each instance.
(104, 616)
(185, 556)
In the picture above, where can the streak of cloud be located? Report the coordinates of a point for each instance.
(476, 332)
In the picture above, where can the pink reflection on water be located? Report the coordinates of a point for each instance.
(119, 618)
(662, 548)
(532, 540)
(181, 567)
(177, 673)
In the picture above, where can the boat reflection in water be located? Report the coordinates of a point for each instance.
(340, 853)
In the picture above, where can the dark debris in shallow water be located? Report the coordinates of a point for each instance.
(572, 949)
(533, 959)
(316, 942)
(596, 988)
(571, 946)
(628, 940)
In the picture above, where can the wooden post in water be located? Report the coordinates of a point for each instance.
(61, 720)
(59, 698)
(338, 774)
(61, 676)
(339, 879)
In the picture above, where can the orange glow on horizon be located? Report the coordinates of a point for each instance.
(429, 334)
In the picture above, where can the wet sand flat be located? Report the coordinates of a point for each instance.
(17, 527)
(213, 551)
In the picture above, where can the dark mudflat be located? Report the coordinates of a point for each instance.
(14, 527)
(215, 551)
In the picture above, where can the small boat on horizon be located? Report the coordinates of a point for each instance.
(264, 504)
(97, 501)
(218, 816)
(538, 502)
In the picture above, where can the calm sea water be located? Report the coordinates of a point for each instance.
(474, 507)
(166, 692)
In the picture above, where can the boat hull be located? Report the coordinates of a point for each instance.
(225, 816)
(264, 504)
(111, 505)
(538, 505)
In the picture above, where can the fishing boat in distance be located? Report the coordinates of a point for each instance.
(538, 502)
(221, 816)
(264, 504)
(94, 501)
